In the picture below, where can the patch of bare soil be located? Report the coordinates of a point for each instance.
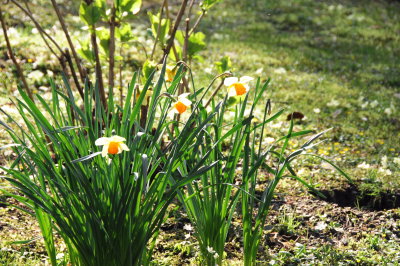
(18, 226)
(296, 219)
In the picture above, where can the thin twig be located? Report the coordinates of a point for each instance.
(44, 39)
(167, 9)
(184, 80)
(174, 29)
(43, 33)
(37, 25)
(223, 75)
(120, 77)
(99, 74)
(175, 53)
(158, 29)
(143, 48)
(49, 46)
(10, 52)
(197, 22)
(190, 8)
(59, 57)
(111, 51)
(215, 93)
(186, 41)
(169, 32)
(71, 66)
(185, 53)
(71, 45)
(63, 55)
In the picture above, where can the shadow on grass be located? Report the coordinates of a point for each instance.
(372, 200)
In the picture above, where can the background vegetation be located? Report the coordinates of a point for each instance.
(334, 62)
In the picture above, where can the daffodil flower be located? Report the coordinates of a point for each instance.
(170, 72)
(112, 145)
(149, 93)
(181, 105)
(236, 86)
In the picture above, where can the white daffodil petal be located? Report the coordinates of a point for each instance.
(186, 102)
(104, 152)
(117, 139)
(231, 92)
(173, 110)
(183, 95)
(123, 147)
(231, 80)
(169, 67)
(102, 141)
(245, 79)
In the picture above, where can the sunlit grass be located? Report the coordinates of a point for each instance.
(337, 59)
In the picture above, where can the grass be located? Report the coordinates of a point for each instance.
(337, 63)
(332, 61)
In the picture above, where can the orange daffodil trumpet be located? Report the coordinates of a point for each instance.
(112, 145)
(236, 86)
(182, 104)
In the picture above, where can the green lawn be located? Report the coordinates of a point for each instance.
(335, 62)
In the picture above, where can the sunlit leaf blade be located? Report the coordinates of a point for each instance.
(87, 157)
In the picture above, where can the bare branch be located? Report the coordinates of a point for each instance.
(214, 93)
(185, 53)
(158, 29)
(169, 32)
(197, 22)
(19, 70)
(99, 74)
(223, 76)
(186, 41)
(82, 73)
(62, 58)
(44, 39)
(37, 25)
(175, 28)
(111, 51)
(190, 8)
(71, 66)
(120, 78)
